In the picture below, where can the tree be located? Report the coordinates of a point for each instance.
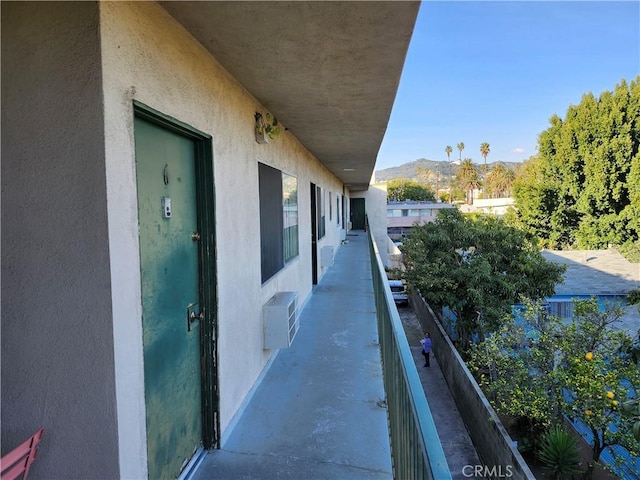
(467, 178)
(401, 189)
(515, 369)
(448, 151)
(484, 151)
(445, 197)
(426, 175)
(423, 174)
(460, 148)
(587, 184)
(477, 267)
(538, 206)
(499, 181)
(542, 367)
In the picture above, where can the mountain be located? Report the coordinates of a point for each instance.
(410, 170)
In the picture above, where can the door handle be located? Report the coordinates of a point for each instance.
(192, 316)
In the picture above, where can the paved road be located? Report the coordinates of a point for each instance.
(456, 443)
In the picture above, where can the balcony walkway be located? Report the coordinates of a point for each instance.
(318, 412)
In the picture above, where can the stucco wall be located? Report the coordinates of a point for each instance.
(376, 204)
(149, 57)
(57, 342)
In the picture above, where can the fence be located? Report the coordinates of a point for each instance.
(416, 449)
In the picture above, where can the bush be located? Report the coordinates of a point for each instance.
(633, 297)
(630, 251)
(559, 453)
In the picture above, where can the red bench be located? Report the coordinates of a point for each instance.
(18, 460)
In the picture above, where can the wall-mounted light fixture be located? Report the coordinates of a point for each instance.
(266, 127)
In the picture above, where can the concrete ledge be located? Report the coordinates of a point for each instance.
(489, 436)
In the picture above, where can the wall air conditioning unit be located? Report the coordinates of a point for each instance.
(326, 257)
(280, 320)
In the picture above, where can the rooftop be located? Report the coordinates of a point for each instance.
(419, 203)
(599, 272)
(595, 272)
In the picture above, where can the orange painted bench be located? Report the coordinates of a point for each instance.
(17, 461)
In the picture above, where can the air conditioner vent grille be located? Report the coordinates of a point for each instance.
(280, 320)
(326, 256)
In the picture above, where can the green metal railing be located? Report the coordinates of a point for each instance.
(416, 449)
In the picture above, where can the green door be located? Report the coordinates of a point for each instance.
(358, 214)
(168, 220)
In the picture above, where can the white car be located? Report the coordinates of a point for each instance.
(399, 291)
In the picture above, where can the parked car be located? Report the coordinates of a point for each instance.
(399, 291)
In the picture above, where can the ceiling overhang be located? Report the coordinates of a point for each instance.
(328, 70)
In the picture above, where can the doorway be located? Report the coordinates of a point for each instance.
(358, 213)
(174, 172)
(314, 234)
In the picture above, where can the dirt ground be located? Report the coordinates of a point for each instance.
(540, 472)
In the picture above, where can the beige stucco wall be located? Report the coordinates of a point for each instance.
(149, 57)
(376, 207)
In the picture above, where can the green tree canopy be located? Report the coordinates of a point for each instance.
(499, 181)
(476, 266)
(401, 189)
(541, 367)
(484, 151)
(467, 178)
(583, 188)
(448, 151)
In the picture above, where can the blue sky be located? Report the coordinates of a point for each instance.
(497, 71)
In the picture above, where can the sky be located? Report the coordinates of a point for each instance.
(496, 72)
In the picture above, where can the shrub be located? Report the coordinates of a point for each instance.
(559, 453)
(630, 251)
(633, 297)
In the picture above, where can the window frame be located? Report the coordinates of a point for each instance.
(277, 246)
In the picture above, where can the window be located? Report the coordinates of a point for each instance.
(320, 212)
(278, 219)
(330, 207)
(338, 209)
(290, 216)
(405, 213)
(562, 310)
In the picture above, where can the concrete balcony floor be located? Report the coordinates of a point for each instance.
(318, 411)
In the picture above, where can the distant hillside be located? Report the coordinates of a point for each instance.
(410, 170)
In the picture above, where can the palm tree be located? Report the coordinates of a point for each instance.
(484, 150)
(448, 151)
(423, 174)
(467, 178)
(500, 180)
(460, 148)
